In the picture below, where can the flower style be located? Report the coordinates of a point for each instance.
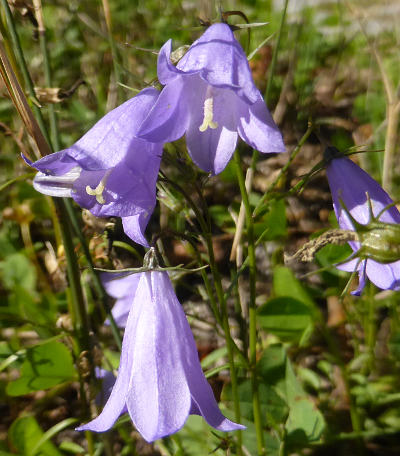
(349, 183)
(211, 96)
(109, 171)
(160, 380)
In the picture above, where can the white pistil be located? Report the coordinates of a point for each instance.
(98, 191)
(61, 186)
(208, 112)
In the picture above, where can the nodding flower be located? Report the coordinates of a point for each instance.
(210, 95)
(109, 171)
(160, 381)
(362, 205)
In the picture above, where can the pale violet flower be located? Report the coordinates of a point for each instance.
(353, 186)
(109, 171)
(160, 381)
(210, 95)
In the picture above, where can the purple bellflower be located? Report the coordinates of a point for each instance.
(353, 186)
(109, 171)
(211, 96)
(160, 380)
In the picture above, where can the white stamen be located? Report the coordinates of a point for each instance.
(98, 191)
(208, 112)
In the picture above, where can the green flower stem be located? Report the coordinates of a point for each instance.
(252, 309)
(78, 305)
(256, 154)
(293, 155)
(55, 139)
(117, 71)
(354, 415)
(76, 302)
(221, 314)
(275, 53)
(371, 327)
(205, 229)
(72, 265)
(95, 277)
(228, 337)
(23, 67)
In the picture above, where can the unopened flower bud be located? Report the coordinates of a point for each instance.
(380, 242)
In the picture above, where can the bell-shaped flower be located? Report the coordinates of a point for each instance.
(109, 171)
(210, 95)
(356, 192)
(160, 380)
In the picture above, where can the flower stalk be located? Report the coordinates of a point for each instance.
(252, 309)
(76, 302)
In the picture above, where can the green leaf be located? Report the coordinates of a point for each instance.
(286, 317)
(222, 218)
(45, 366)
(305, 422)
(286, 284)
(273, 406)
(195, 438)
(51, 433)
(275, 219)
(213, 357)
(25, 433)
(272, 442)
(272, 365)
(16, 269)
(71, 447)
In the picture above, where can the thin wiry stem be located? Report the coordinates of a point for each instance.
(392, 108)
(251, 308)
(117, 70)
(77, 305)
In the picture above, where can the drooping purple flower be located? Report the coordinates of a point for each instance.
(349, 183)
(109, 171)
(211, 96)
(160, 380)
(123, 289)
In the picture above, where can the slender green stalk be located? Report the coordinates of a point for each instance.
(252, 309)
(354, 415)
(275, 53)
(96, 280)
(271, 73)
(117, 70)
(23, 67)
(76, 302)
(81, 322)
(392, 116)
(221, 314)
(256, 154)
(55, 140)
(293, 155)
(228, 337)
(371, 327)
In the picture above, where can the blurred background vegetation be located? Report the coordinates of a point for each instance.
(329, 367)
